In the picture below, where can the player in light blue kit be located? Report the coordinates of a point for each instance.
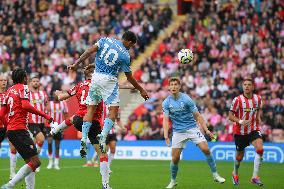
(182, 111)
(112, 56)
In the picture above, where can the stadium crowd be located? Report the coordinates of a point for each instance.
(45, 36)
(229, 42)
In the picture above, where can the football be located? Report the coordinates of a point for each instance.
(185, 56)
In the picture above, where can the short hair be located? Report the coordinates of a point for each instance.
(248, 79)
(172, 79)
(18, 75)
(34, 75)
(129, 36)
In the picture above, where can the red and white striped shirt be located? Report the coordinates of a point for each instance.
(57, 110)
(39, 101)
(246, 109)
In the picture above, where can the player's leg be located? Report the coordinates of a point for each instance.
(89, 156)
(210, 160)
(104, 168)
(257, 142)
(39, 141)
(87, 123)
(63, 125)
(241, 142)
(108, 125)
(13, 160)
(50, 154)
(196, 136)
(112, 147)
(178, 144)
(57, 138)
(27, 149)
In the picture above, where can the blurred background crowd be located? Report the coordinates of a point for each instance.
(229, 42)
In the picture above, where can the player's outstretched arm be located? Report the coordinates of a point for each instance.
(84, 56)
(135, 84)
(166, 129)
(199, 118)
(62, 95)
(28, 107)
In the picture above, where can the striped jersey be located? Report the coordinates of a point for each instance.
(39, 101)
(57, 110)
(2, 99)
(81, 91)
(246, 109)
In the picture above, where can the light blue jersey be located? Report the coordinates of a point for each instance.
(180, 112)
(112, 57)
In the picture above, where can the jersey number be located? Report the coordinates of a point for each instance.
(11, 103)
(83, 98)
(106, 54)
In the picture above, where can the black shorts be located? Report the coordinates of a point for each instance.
(94, 130)
(111, 137)
(2, 134)
(58, 136)
(242, 141)
(36, 128)
(23, 143)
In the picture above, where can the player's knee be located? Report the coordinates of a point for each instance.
(239, 157)
(259, 151)
(206, 151)
(13, 151)
(176, 159)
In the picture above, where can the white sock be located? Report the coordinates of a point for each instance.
(61, 126)
(104, 170)
(30, 181)
(257, 164)
(13, 163)
(110, 158)
(56, 161)
(22, 173)
(38, 148)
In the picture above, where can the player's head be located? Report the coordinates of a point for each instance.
(3, 81)
(174, 85)
(88, 70)
(19, 75)
(35, 80)
(129, 39)
(248, 85)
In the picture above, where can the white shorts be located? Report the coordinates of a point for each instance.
(103, 87)
(179, 140)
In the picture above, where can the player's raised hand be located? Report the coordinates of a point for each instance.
(211, 135)
(168, 142)
(144, 94)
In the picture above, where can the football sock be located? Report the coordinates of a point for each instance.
(39, 146)
(104, 169)
(13, 163)
(110, 158)
(56, 161)
(257, 164)
(63, 125)
(211, 162)
(85, 130)
(108, 124)
(174, 170)
(30, 180)
(22, 173)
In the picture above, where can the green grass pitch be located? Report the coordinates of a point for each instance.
(130, 174)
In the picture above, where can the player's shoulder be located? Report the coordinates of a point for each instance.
(185, 96)
(166, 100)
